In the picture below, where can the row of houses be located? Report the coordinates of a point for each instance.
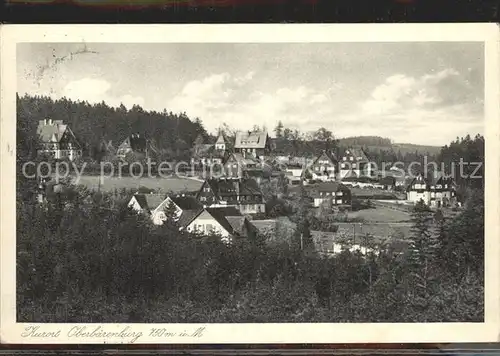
(221, 206)
(251, 151)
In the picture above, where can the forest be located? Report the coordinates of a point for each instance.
(85, 257)
(174, 135)
(88, 258)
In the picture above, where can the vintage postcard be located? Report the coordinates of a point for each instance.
(250, 183)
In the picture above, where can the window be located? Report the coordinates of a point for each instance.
(343, 165)
(320, 193)
(351, 158)
(439, 186)
(207, 189)
(327, 193)
(203, 198)
(316, 168)
(339, 201)
(446, 186)
(354, 165)
(339, 194)
(344, 158)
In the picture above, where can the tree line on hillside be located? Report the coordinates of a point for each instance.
(94, 124)
(175, 134)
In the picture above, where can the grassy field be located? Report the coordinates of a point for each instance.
(369, 193)
(380, 214)
(164, 184)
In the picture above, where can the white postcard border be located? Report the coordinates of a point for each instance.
(488, 331)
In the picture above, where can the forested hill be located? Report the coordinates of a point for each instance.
(94, 123)
(376, 143)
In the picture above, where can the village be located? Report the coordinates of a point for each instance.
(366, 206)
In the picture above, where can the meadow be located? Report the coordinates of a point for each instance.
(380, 214)
(171, 184)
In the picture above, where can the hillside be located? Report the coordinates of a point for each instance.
(173, 134)
(375, 143)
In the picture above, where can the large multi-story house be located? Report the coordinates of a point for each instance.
(337, 193)
(242, 193)
(355, 164)
(253, 144)
(208, 153)
(235, 165)
(438, 191)
(324, 167)
(57, 140)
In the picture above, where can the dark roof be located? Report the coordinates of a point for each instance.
(187, 216)
(230, 187)
(388, 180)
(221, 216)
(186, 202)
(135, 142)
(330, 155)
(418, 179)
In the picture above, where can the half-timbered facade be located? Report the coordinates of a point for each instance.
(57, 140)
(337, 193)
(242, 193)
(324, 167)
(354, 164)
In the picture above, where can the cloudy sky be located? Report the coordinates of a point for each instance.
(423, 93)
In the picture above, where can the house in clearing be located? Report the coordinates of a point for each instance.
(354, 163)
(337, 193)
(136, 143)
(242, 193)
(57, 140)
(226, 222)
(253, 144)
(324, 167)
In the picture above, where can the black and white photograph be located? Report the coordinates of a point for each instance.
(224, 182)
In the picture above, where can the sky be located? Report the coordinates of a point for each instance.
(421, 92)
